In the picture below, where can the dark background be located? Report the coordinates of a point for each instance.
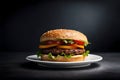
(23, 22)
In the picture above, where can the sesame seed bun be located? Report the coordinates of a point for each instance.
(63, 34)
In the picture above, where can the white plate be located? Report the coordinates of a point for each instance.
(90, 59)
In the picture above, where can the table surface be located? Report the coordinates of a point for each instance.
(13, 65)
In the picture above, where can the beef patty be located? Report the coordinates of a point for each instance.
(56, 51)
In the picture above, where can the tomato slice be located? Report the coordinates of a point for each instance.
(61, 42)
(79, 42)
(47, 46)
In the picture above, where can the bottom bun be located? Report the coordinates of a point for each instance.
(63, 59)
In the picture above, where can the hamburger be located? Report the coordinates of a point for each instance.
(63, 45)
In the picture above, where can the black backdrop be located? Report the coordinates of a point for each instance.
(23, 22)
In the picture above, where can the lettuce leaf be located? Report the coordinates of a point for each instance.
(39, 53)
(65, 41)
(51, 56)
(68, 41)
(66, 55)
(86, 53)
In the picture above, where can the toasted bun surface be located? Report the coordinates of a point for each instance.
(63, 34)
(63, 59)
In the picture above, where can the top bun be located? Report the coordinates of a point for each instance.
(63, 34)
